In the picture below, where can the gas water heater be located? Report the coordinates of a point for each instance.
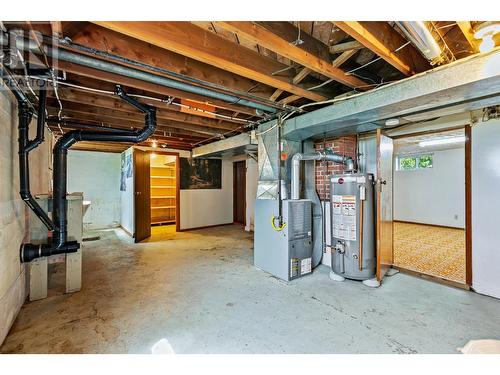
(353, 228)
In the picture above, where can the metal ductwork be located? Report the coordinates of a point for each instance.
(111, 67)
(319, 156)
(420, 36)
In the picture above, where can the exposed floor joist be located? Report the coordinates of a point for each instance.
(383, 40)
(263, 36)
(194, 42)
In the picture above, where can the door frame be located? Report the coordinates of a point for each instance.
(138, 235)
(234, 193)
(382, 268)
(468, 194)
(177, 184)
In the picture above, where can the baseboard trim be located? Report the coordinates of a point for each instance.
(429, 225)
(206, 227)
(436, 279)
(126, 231)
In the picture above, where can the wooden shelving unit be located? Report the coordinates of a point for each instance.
(163, 193)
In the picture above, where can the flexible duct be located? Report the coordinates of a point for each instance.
(420, 36)
(320, 156)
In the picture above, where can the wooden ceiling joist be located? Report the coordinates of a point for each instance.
(147, 86)
(345, 46)
(194, 42)
(126, 119)
(466, 28)
(383, 40)
(104, 101)
(316, 62)
(92, 82)
(100, 38)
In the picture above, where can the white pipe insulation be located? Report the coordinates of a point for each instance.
(420, 36)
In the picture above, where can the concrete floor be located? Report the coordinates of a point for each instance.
(200, 292)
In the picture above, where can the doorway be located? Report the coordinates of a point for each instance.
(431, 206)
(239, 192)
(156, 198)
(163, 189)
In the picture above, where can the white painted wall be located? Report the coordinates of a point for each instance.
(435, 195)
(97, 176)
(206, 207)
(486, 208)
(127, 221)
(13, 211)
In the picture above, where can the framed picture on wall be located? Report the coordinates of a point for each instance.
(201, 174)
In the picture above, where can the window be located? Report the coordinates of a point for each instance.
(414, 162)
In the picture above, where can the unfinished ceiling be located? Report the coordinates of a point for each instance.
(260, 67)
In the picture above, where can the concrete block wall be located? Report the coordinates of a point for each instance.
(344, 146)
(13, 211)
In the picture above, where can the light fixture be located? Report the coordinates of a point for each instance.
(392, 122)
(153, 155)
(442, 141)
(486, 32)
(155, 144)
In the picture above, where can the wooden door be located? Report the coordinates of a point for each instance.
(384, 204)
(239, 192)
(142, 204)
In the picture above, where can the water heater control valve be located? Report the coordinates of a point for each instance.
(340, 247)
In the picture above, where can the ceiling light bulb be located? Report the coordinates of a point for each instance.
(487, 44)
(155, 144)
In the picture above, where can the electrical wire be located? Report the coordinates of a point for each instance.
(169, 101)
(375, 60)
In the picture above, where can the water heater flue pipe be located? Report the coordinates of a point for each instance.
(320, 156)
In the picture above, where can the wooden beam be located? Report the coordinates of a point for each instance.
(57, 29)
(92, 82)
(301, 75)
(100, 38)
(336, 63)
(127, 120)
(202, 45)
(344, 56)
(275, 95)
(290, 32)
(289, 99)
(346, 46)
(297, 79)
(147, 86)
(283, 47)
(383, 40)
(466, 29)
(105, 101)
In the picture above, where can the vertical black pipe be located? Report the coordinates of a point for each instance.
(25, 115)
(41, 117)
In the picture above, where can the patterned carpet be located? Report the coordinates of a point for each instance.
(431, 250)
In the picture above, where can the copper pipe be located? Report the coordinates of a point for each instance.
(361, 236)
